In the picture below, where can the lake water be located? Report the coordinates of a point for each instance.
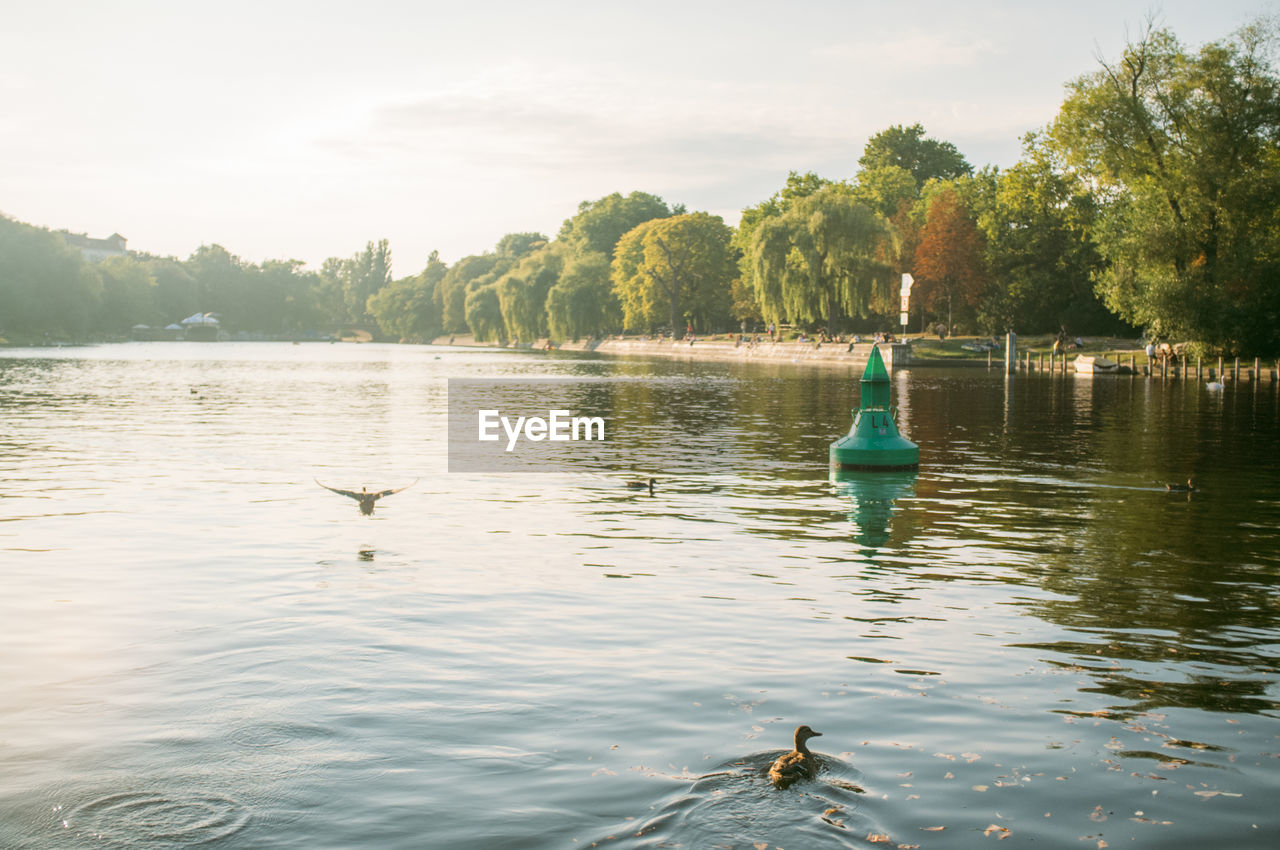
(1029, 639)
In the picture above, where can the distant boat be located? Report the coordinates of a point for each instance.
(1095, 365)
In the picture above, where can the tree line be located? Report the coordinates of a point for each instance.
(1152, 202)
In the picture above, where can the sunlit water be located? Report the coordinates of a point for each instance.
(1030, 639)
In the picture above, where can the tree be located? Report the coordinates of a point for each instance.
(1037, 223)
(818, 260)
(582, 301)
(949, 260)
(451, 292)
(221, 282)
(599, 225)
(522, 292)
(514, 246)
(45, 286)
(176, 291)
(368, 272)
(908, 148)
(128, 294)
(484, 314)
(886, 188)
(675, 270)
(1181, 151)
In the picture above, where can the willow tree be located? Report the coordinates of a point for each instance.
(821, 259)
(582, 301)
(484, 314)
(522, 292)
(674, 269)
(1181, 149)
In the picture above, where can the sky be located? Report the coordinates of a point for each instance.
(303, 130)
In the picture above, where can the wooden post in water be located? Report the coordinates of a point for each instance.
(1222, 375)
(1011, 353)
(1197, 367)
(1235, 373)
(1257, 368)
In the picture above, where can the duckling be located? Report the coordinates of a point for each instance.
(364, 497)
(641, 485)
(797, 764)
(1189, 487)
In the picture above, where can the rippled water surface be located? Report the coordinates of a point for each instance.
(1030, 639)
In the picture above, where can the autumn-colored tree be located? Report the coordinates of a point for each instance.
(949, 259)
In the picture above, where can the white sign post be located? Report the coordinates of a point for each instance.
(907, 281)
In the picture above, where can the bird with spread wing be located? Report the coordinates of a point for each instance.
(365, 497)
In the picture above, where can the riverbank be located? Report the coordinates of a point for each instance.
(914, 351)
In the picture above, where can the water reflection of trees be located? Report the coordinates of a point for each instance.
(1047, 482)
(1175, 591)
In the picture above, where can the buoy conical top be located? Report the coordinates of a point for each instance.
(875, 382)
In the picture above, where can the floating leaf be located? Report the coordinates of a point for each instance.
(979, 787)
(879, 838)
(933, 828)
(970, 757)
(1002, 832)
(1097, 814)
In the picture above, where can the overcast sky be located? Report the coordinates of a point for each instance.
(305, 129)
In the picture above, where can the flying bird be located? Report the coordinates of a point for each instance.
(364, 496)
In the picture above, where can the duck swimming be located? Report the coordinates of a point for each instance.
(364, 497)
(1189, 487)
(640, 485)
(797, 764)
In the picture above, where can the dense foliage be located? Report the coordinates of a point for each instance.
(1151, 202)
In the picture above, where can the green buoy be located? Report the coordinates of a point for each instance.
(873, 443)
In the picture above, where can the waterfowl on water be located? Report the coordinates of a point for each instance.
(641, 485)
(1189, 487)
(1213, 385)
(797, 764)
(364, 497)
